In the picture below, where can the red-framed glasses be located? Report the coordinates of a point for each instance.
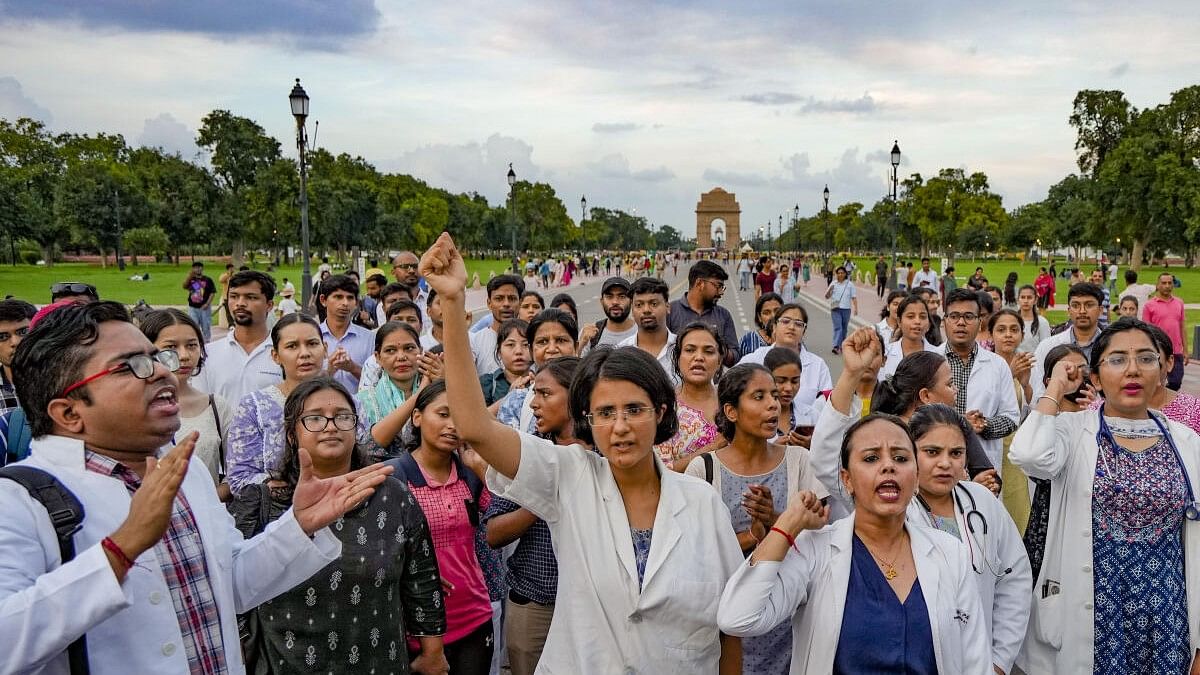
(141, 365)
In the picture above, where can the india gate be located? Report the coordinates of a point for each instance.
(718, 205)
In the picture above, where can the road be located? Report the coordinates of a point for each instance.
(740, 303)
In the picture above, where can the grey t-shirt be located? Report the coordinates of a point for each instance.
(611, 337)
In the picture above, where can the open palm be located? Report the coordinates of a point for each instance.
(317, 502)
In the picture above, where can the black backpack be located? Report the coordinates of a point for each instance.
(66, 515)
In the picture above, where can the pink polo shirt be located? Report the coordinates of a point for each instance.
(468, 605)
(1167, 315)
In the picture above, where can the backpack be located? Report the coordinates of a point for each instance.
(66, 515)
(408, 472)
(596, 338)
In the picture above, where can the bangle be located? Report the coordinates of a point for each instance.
(111, 546)
(790, 539)
(1057, 405)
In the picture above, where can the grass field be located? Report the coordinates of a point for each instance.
(32, 283)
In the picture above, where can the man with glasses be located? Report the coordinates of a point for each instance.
(15, 316)
(706, 285)
(101, 403)
(985, 395)
(1084, 302)
(1166, 311)
(404, 270)
(73, 290)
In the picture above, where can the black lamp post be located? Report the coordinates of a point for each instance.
(512, 182)
(582, 210)
(895, 209)
(299, 101)
(795, 230)
(825, 214)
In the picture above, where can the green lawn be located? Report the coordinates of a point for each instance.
(32, 283)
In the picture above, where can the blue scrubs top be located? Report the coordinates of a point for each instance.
(879, 633)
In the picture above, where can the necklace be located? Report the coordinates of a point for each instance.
(889, 567)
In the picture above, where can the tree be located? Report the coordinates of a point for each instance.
(30, 167)
(97, 200)
(146, 241)
(239, 149)
(1100, 118)
(667, 238)
(180, 194)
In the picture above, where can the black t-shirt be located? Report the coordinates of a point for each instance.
(200, 291)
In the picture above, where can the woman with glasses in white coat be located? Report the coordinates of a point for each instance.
(872, 592)
(643, 552)
(1117, 591)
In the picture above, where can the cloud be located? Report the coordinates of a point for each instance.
(14, 103)
(169, 134)
(862, 105)
(1119, 69)
(771, 98)
(616, 166)
(470, 167)
(614, 127)
(321, 20)
(734, 178)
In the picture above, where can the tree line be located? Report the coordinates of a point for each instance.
(64, 192)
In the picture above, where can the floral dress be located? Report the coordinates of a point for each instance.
(695, 433)
(1141, 617)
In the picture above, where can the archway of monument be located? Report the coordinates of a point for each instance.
(720, 208)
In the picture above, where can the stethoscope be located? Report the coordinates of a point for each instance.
(1191, 509)
(970, 516)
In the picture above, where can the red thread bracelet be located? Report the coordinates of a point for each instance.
(790, 539)
(111, 546)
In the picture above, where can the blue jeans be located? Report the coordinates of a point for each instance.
(745, 282)
(841, 325)
(203, 318)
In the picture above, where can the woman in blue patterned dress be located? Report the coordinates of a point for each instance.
(1113, 594)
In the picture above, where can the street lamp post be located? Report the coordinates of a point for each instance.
(582, 210)
(825, 214)
(895, 209)
(779, 234)
(299, 101)
(795, 230)
(512, 182)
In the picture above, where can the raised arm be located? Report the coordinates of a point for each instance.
(1042, 445)
(446, 272)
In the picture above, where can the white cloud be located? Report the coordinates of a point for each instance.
(170, 135)
(15, 103)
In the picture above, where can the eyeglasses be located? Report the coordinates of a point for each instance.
(788, 321)
(20, 332)
(1083, 306)
(961, 317)
(719, 285)
(608, 416)
(405, 266)
(141, 365)
(341, 422)
(73, 288)
(1145, 360)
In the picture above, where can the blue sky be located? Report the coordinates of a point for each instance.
(640, 106)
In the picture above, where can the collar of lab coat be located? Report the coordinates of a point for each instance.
(667, 528)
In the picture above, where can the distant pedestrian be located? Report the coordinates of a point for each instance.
(201, 290)
(881, 272)
(1166, 311)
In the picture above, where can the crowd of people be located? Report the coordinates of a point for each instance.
(392, 487)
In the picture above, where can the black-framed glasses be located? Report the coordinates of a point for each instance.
(73, 288)
(341, 422)
(608, 416)
(963, 317)
(19, 332)
(141, 365)
(405, 266)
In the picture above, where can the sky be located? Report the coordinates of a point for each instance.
(638, 105)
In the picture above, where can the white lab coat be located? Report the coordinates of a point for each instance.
(131, 627)
(990, 391)
(894, 354)
(809, 588)
(814, 372)
(1006, 600)
(602, 623)
(1063, 449)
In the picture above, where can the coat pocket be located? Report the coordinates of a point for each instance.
(1048, 619)
(690, 619)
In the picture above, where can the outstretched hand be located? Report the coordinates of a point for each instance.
(443, 268)
(317, 502)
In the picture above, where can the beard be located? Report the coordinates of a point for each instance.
(246, 319)
(617, 314)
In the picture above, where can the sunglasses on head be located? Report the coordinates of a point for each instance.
(73, 288)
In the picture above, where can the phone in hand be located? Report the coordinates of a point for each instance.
(804, 429)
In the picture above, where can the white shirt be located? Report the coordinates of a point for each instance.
(603, 623)
(885, 331)
(1140, 291)
(1030, 342)
(990, 391)
(483, 346)
(808, 588)
(665, 355)
(1062, 448)
(929, 278)
(131, 627)
(895, 354)
(786, 288)
(231, 373)
(287, 306)
(814, 373)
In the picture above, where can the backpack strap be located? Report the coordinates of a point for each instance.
(66, 516)
(212, 403)
(19, 434)
(708, 467)
(599, 332)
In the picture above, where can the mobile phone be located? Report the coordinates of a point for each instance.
(804, 429)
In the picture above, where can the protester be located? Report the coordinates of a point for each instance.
(503, 297)
(755, 479)
(889, 317)
(222, 292)
(1083, 305)
(870, 593)
(1166, 311)
(1037, 328)
(566, 303)
(15, 316)
(788, 327)
(843, 297)
(256, 435)
(240, 362)
(698, 355)
(160, 571)
(913, 323)
(1096, 278)
(349, 345)
(201, 290)
(1008, 331)
(796, 418)
(1141, 292)
(531, 303)
(1121, 488)
(406, 312)
(1176, 405)
(617, 325)
(787, 288)
(1010, 290)
(552, 334)
(985, 305)
(622, 403)
(404, 271)
(515, 362)
(764, 311)
(73, 290)
(388, 404)
(1128, 307)
(208, 414)
(386, 552)
(933, 303)
(651, 302)
(706, 284)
